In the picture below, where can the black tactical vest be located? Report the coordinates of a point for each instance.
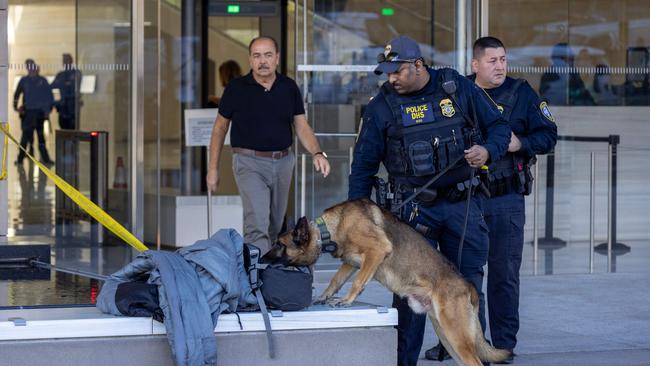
(427, 134)
(512, 171)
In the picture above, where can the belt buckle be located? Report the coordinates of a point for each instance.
(276, 155)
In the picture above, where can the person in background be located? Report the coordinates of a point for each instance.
(228, 71)
(68, 82)
(37, 103)
(562, 85)
(602, 89)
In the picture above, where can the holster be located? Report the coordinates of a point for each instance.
(381, 188)
(524, 176)
(425, 198)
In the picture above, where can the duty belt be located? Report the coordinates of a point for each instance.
(428, 196)
(511, 174)
(263, 154)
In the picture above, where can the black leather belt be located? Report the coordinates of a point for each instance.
(263, 154)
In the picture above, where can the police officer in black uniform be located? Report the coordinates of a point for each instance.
(424, 123)
(533, 132)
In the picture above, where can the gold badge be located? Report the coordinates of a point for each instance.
(387, 49)
(447, 108)
(500, 108)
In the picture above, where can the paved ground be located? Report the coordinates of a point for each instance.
(598, 319)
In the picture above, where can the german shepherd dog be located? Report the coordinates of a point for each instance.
(380, 246)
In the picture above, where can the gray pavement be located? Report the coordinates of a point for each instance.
(582, 319)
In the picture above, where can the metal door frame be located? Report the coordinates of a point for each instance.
(4, 116)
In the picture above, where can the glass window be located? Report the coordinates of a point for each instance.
(591, 53)
(578, 52)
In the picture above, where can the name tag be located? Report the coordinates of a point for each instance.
(417, 114)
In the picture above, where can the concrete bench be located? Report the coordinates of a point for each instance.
(320, 335)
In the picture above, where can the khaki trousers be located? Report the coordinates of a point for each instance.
(263, 185)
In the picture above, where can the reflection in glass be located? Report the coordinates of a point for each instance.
(559, 46)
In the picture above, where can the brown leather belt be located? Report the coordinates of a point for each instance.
(263, 154)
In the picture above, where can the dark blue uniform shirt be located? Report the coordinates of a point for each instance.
(36, 92)
(370, 147)
(530, 118)
(68, 82)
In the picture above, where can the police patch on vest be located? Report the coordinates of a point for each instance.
(546, 112)
(415, 114)
(500, 108)
(447, 108)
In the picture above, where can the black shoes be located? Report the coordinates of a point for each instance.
(437, 353)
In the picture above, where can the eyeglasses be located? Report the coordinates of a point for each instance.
(392, 57)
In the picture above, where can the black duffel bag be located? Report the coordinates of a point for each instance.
(283, 286)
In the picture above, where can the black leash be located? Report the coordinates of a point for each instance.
(430, 182)
(462, 235)
(450, 88)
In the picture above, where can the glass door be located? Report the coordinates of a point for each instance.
(82, 49)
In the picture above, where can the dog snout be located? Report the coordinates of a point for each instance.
(277, 251)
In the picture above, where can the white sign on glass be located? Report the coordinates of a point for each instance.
(198, 126)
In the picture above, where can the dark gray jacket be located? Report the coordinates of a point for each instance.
(195, 285)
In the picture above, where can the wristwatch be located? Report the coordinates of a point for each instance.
(321, 153)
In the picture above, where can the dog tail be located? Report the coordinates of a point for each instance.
(488, 353)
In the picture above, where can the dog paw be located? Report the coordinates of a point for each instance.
(322, 300)
(339, 303)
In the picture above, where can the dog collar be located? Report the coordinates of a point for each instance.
(325, 241)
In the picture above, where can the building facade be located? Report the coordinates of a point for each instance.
(144, 63)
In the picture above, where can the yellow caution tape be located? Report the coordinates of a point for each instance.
(3, 173)
(87, 205)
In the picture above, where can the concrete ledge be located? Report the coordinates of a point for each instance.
(83, 336)
(352, 346)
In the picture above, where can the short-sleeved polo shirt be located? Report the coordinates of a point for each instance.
(261, 119)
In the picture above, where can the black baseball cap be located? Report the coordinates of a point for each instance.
(398, 51)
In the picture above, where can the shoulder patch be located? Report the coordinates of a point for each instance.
(543, 107)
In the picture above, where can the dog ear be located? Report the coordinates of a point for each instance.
(301, 232)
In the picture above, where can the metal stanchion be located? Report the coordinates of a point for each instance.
(303, 184)
(549, 241)
(612, 248)
(592, 211)
(609, 208)
(535, 218)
